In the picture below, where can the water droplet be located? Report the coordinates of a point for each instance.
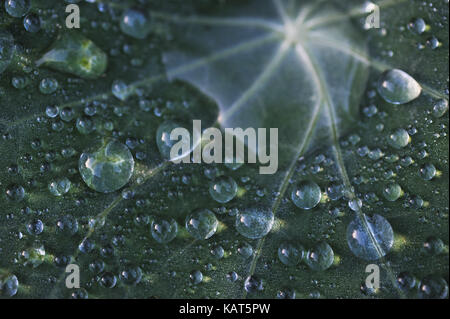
(355, 204)
(433, 287)
(108, 168)
(121, 90)
(108, 280)
(362, 244)
(433, 245)
(427, 172)
(218, 252)
(320, 257)
(202, 224)
(33, 256)
(245, 250)
(223, 189)
(440, 108)
(405, 281)
(286, 293)
(398, 87)
(164, 142)
(135, 23)
(74, 54)
(418, 26)
(306, 195)
(85, 125)
(290, 255)
(335, 191)
(48, 85)
(15, 193)
(80, 293)
(399, 139)
(60, 186)
(234, 165)
(253, 284)
(32, 23)
(67, 225)
(131, 276)
(196, 277)
(254, 223)
(17, 8)
(392, 192)
(164, 230)
(35, 227)
(9, 286)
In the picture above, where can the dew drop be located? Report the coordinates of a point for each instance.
(440, 108)
(361, 243)
(15, 193)
(48, 85)
(253, 284)
(201, 224)
(223, 189)
(254, 223)
(196, 277)
(164, 230)
(392, 192)
(320, 257)
(35, 227)
(17, 8)
(32, 23)
(427, 172)
(131, 276)
(74, 54)
(9, 285)
(399, 139)
(405, 281)
(433, 245)
(306, 195)
(398, 87)
(108, 168)
(433, 287)
(60, 186)
(290, 255)
(135, 23)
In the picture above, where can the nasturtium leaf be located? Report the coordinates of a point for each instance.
(362, 179)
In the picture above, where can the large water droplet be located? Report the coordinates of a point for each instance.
(320, 257)
(223, 189)
(398, 87)
(290, 255)
(433, 287)
(306, 195)
(254, 223)
(392, 192)
(17, 8)
(9, 286)
(60, 186)
(74, 54)
(135, 23)
(164, 230)
(108, 168)
(202, 224)
(361, 243)
(399, 138)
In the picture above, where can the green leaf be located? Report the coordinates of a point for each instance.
(351, 165)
